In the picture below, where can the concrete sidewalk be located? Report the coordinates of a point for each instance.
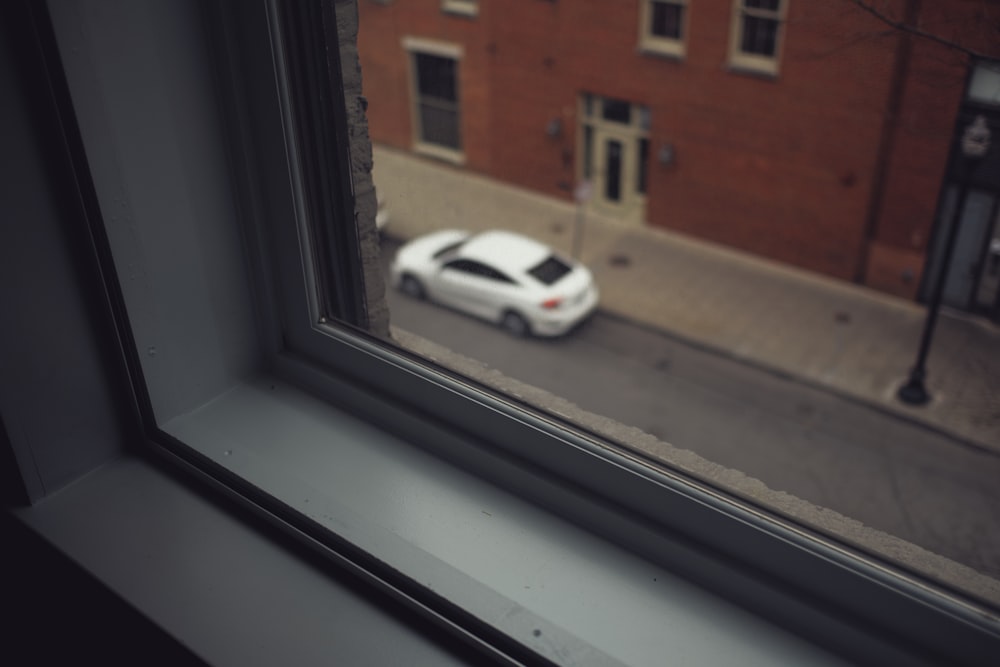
(849, 339)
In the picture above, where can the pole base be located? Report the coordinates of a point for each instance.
(914, 392)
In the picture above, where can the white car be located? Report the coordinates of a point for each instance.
(503, 277)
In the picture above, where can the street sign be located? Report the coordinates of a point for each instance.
(584, 190)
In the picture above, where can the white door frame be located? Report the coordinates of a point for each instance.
(593, 164)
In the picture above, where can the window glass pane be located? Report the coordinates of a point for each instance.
(616, 110)
(439, 125)
(643, 160)
(500, 277)
(436, 77)
(550, 271)
(666, 20)
(644, 118)
(613, 170)
(733, 160)
(773, 5)
(448, 249)
(759, 35)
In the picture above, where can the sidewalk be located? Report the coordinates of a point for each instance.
(849, 339)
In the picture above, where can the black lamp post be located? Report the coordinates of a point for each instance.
(973, 146)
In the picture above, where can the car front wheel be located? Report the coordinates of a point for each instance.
(412, 287)
(514, 324)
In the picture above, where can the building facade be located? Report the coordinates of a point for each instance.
(812, 133)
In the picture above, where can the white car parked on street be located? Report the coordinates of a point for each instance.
(503, 277)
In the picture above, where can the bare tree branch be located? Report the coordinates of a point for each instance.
(883, 16)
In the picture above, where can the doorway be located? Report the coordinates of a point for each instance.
(614, 137)
(973, 281)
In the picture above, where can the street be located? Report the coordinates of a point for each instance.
(885, 472)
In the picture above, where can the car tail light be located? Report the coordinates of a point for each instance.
(549, 304)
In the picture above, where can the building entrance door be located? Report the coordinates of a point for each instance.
(973, 281)
(613, 170)
(614, 147)
(988, 292)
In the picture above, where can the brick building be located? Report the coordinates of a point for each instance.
(807, 131)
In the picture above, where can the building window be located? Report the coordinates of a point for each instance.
(643, 161)
(461, 7)
(618, 111)
(755, 40)
(662, 25)
(436, 102)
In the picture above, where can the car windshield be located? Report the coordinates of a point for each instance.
(551, 270)
(449, 249)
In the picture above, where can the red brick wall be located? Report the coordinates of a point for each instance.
(386, 71)
(783, 166)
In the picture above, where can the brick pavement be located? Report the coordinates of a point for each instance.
(828, 333)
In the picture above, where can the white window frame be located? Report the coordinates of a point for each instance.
(814, 585)
(656, 44)
(418, 45)
(648, 494)
(753, 62)
(469, 8)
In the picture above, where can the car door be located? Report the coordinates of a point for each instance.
(472, 287)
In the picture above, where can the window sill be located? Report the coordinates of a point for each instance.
(764, 72)
(513, 565)
(671, 51)
(225, 589)
(461, 9)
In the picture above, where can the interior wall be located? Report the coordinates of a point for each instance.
(166, 196)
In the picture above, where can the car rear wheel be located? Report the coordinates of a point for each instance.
(412, 287)
(514, 324)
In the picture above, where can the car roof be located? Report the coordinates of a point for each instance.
(506, 251)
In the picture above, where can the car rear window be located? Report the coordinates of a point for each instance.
(551, 270)
(448, 249)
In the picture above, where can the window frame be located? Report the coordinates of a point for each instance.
(751, 62)
(652, 505)
(776, 568)
(657, 44)
(454, 52)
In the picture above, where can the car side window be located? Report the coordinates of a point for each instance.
(478, 269)
(459, 265)
(492, 273)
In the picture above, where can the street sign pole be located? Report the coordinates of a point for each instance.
(582, 195)
(974, 145)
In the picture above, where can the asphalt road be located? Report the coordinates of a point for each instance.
(878, 469)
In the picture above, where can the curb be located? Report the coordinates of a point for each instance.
(805, 380)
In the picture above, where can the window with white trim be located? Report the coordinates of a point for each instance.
(662, 514)
(663, 26)
(437, 118)
(756, 34)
